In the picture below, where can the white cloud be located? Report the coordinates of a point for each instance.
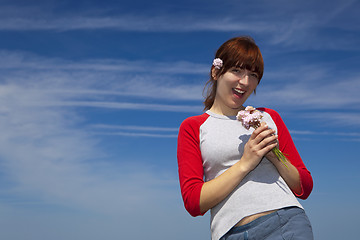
(138, 134)
(311, 87)
(47, 156)
(158, 23)
(136, 128)
(134, 131)
(343, 119)
(123, 105)
(52, 164)
(11, 60)
(99, 79)
(348, 134)
(295, 24)
(103, 84)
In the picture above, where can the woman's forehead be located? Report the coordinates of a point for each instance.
(248, 66)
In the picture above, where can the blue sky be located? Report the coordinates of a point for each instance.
(92, 94)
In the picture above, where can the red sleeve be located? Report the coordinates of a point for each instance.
(287, 146)
(190, 166)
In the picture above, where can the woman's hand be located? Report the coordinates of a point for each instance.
(261, 141)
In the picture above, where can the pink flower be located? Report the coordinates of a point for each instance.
(250, 117)
(218, 63)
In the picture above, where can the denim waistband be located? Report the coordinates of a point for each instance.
(261, 219)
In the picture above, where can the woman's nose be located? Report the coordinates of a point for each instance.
(244, 79)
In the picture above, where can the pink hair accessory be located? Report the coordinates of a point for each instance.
(217, 63)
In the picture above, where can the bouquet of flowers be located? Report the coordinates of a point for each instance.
(250, 117)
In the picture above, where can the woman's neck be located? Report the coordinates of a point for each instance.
(224, 110)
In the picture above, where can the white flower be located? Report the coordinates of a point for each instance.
(250, 108)
(218, 63)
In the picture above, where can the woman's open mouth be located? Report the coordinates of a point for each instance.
(238, 92)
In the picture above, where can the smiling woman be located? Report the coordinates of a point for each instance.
(236, 161)
(241, 59)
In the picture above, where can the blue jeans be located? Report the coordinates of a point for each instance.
(284, 224)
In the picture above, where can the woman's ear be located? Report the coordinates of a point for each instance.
(214, 73)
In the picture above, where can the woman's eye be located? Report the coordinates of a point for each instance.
(254, 75)
(238, 70)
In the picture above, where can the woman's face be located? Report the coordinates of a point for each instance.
(233, 89)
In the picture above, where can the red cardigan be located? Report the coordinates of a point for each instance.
(190, 166)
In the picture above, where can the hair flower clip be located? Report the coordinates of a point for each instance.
(217, 63)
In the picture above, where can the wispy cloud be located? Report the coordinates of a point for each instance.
(38, 18)
(319, 91)
(349, 134)
(100, 78)
(312, 87)
(343, 119)
(47, 157)
(134, 131)
(159, 23)
(123, 105)
(103, 83)
(26, 61)
(307, 28)
(138, 134)
(44, 153)
(135, 128)
(290, 28)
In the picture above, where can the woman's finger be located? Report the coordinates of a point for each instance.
(267, 149)
(272, 139)
(265, 133)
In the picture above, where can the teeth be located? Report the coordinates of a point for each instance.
(239, 91)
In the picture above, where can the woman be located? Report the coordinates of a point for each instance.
(231, 170)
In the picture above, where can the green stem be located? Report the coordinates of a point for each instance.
(275, 150)
(280, 155)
